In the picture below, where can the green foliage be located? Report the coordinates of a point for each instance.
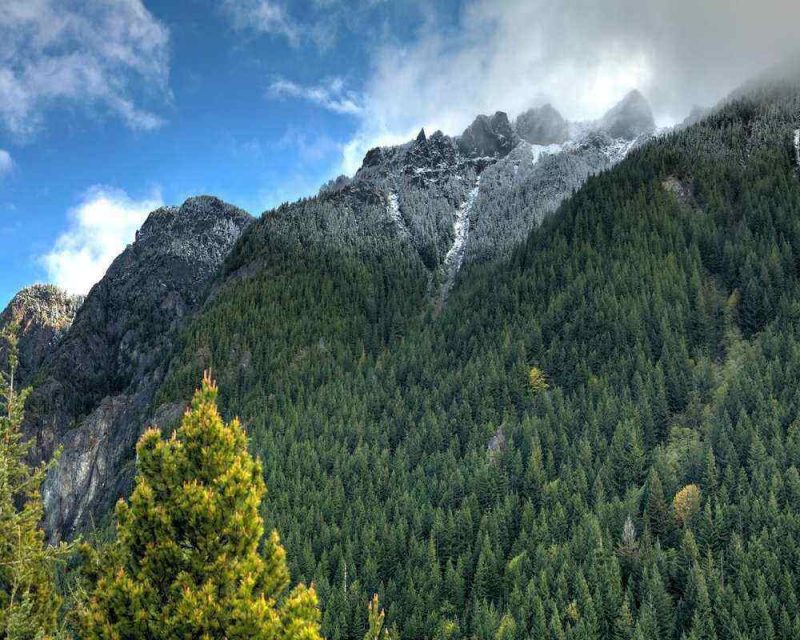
(670, 334)
(187, 563)
(376, 627)
(28, 600)
(537, 380)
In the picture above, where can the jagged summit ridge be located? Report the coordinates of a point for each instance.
(534, 164)
(488, 136)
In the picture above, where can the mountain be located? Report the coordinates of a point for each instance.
(518, 389)
(630, 118)
(43, 314)
(542, 126)
(475, 196)
(651, 490)
(431, 205)
(95, 386)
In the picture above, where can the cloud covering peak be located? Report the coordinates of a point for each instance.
(582, 56)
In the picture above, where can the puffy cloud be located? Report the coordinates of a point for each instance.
(93, 53)
(6, 163)
(99, 229)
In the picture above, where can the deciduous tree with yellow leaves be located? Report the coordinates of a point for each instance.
(188, 562)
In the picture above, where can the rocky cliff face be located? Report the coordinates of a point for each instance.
(96, 387)
(43, 314)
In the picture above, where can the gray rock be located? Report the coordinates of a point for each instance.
(44, 313)
(488, 137)
(630, 118)
(98, 384)
(542, 126)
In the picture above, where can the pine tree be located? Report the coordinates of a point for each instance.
(28, 600)
(376, 628)
(188, 544)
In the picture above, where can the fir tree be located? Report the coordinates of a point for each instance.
(188, 544)
(376, 627)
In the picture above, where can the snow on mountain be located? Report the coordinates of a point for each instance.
(797, 146)
(526, 170)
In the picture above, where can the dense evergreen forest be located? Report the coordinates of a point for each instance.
(596, 438)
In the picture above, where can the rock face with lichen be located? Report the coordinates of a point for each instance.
(43, 314)
(95, 388)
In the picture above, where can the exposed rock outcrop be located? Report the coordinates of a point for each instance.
(97, 386)
(488, 136)
(43, 313)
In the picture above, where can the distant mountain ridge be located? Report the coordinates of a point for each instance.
(44, 314)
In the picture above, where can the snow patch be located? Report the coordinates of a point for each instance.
(393, 209)
(455, 255)
(797, 146)
(539, 150)
(618, 149)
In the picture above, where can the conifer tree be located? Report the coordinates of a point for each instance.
(188, 544)
(28, 601)
(376, 627)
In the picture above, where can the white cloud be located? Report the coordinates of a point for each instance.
(6, 163)
(262, 16)
(95, 53)
(99, 229)
(580, 55)
(331, 95)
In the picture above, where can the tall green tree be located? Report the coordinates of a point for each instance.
(189, 563)
(28, 600)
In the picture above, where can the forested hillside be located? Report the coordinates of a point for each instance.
(595, 438)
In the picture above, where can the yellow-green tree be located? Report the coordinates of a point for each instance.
(189, 563)
(376, 628)
(28, 601)
(686, 503)
(537, 380)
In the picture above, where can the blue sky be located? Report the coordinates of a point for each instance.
(218, 127)
(108, 109)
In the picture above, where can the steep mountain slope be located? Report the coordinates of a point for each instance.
(95, 387)
(406, 452)
(434, 197)
(43, 314)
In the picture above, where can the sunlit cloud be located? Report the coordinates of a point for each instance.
(99, 229)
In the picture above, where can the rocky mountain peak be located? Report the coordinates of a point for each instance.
(44, 313)
(488, 136)
(543, 125)
(200, 222)
(97, 385)
(630, 118)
